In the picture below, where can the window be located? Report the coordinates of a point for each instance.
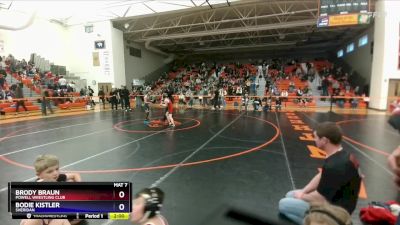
(135, 52)
(350, 48)
(340, 53)
(363, 40)
(89, 29)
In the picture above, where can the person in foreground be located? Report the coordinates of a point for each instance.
(146, 207)
(338, 183)
(47, 170)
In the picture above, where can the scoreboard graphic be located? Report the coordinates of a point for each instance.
(69, 200)
(335, 7)
(343, 12)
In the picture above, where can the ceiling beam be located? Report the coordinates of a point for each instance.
(209, 4)
(300, 23)
(266, 49)
(200, 9)
(228, 20)
(235, 38)
(244, 46)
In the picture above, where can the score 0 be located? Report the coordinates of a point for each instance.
(121, 191)
(121, 195)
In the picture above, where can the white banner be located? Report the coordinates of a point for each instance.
(106, 63)
(137, 82)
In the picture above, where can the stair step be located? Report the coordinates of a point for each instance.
(314, 88)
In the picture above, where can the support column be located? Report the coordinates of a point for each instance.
(385, 51)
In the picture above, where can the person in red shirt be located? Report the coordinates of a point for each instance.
(168, 102)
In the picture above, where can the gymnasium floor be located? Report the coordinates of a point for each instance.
(214, 161)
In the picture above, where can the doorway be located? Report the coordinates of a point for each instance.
(394, 91)
(106, 87)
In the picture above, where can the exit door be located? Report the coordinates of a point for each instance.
(394, 91)
(106, 87)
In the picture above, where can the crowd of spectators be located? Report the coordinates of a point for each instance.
(338, 83)
(25, 74)
(201, 82)
(21, 70)
(258, 84)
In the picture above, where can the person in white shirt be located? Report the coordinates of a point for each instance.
(284, 96)
(239, 90)
(222, 94)
(182, 100)
(62, 82)
(189, 97)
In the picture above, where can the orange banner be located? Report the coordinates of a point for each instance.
(342, 20)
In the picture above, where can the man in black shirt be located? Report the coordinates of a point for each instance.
(114, 98)
(338, 183)
(102, 97)
(122, 97)
(125, 98)
(91, 101)
(216, 99)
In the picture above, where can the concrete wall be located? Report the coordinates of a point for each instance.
(137, 68)
(111, 58)
(360, 59)
(118, 57)
(386, 52)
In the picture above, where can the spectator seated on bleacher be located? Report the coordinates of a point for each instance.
(354, 103)
(278, 103)
(62, 82)
(292, 87)
(238, 79)
(2, 94)
(276, 92)
(308, 94)
(256, 103)
(340, 101)
(299, 93)
(268, 104)
(245, 101)
(182, 99)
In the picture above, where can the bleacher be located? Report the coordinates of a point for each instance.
(289, 72)
(281, 80)
(11, 107)
(33, 90)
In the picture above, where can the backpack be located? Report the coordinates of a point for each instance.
(378, 213)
